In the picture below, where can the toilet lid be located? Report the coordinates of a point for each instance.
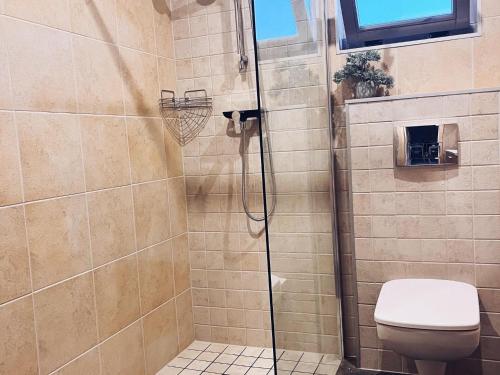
(428, 304)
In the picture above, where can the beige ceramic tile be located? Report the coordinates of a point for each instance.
(87, 364)
(58, 239)
(96, 19)
(53, 13)
(147, 150)
(490, 8)
(105, 151)
(486, 65)
(184, 306)
(123, 353)
(152, 218)
(51, 158)
(6, 101)
(135, 25)
(98, 77)
(18, 345)
(10, 173)
(65, 321)
(140, 76)
(178, 209)
(117, 295)
(181, 264)
(156, 276)
(174, 155)
(163, 29)
(167, 74)
(160, 337)
(111, 220)
(48, 84)
(14, 262)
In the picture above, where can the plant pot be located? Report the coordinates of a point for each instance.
(365, 90)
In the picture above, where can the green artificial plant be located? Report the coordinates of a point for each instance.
(359, 71)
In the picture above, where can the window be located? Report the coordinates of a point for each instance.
(366, 23)
(275, 19)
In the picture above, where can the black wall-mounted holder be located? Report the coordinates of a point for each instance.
(243, 115)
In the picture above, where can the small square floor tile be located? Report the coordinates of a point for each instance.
(199, 365)
(216, 348)
(167, 370)
(307, 367)
(234, 349)
(190, 372)
(292, 355)
(285, 365)
(311, 357)
(282, 372)
(207, 356)
(331, 359)
(217, 368)
(189, 354)
(252, 351)
(180, 362)
(199, 345)
(226, 358)
(268, 353)
(237, 370)
(326, 369)
(257, 371)
(263, 363)
(245, 361)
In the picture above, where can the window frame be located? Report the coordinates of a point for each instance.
(357, 37)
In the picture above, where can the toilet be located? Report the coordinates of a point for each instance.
(430, 321)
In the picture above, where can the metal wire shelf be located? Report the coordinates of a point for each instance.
(187, 116)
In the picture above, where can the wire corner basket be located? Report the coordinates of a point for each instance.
(187, 116)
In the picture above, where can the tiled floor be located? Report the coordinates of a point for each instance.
(207, 358)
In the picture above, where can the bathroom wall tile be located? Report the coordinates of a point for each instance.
(105, 152)
(484, 127)
(485, 64)
(87, 364)
(156, 276)
(152, 218)
(10, 173)
(160, 337)
(486, 227)
(484, 103)
(6, 99)
(147, 150)
(98, 77)
(51, 158)
(173, 155)
(490, 8)
(111, 219)
(57, 229)
(178, 209)
(54, 13)
(485, 152)
(124, 352)
(14, 262)
(181, 264)
(96, 19)
(117, 295)
(140, 77)
(47, 85)
(18, 349)
(135, 25)
(184, 306)
(163, 29)
(433, 76)
(487, 203)
(65, 321)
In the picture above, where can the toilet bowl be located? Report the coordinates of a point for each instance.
(430, 321)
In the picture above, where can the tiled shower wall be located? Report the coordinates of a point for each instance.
(228, 265)
(434, 222)
(94, 267)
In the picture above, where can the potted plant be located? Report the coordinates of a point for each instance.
(364, 78)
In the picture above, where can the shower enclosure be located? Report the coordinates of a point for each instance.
(259, 184)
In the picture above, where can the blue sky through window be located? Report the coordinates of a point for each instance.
(275, 19)
(377, 12)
